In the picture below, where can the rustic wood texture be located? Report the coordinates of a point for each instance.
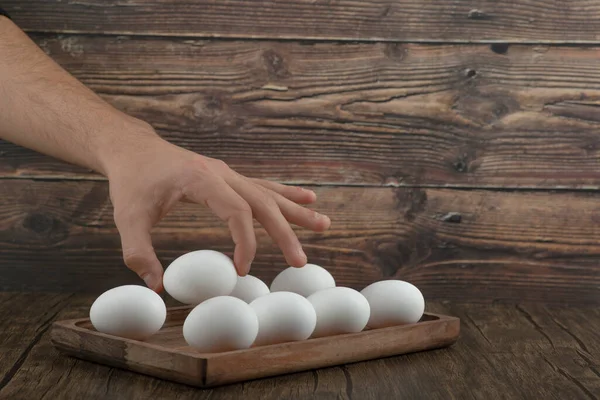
(366, 114)
(453, 244)
(22, 325)
(166, 355)
(369, 110)
(505, 351)
(554, 21)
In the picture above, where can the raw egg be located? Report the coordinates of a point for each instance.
(223, 323)
(339, 310)
(200, 275)
(249, 288)
(304, 281)
(283, 317)
(129, 311)
(393, 302)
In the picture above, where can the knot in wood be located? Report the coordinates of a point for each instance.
(469, 73)
(40, 227)
(39, 223)
(477, 14)
(453, 217)
(395, 51)
(275, 64)
(499, 48)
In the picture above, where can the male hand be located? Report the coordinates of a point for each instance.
(46, 109)
(147, 180)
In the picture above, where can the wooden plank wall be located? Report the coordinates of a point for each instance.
(454, 144)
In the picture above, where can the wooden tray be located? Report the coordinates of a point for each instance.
(167, 356)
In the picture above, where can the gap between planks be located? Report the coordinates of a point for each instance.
(311, 39)
(491, 188)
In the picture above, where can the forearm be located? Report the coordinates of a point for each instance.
(44, 108)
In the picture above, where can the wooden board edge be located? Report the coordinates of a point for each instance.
(70, 327)
(447, 333)
(198, 369)
(127, 354)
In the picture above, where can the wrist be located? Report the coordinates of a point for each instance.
(116, 144)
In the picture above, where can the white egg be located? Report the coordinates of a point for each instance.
(223, 323)
(200, 275)
(129, 311)
(304, 281)
(339, 310)
(283, 317)
(249, 288)
(393, 303)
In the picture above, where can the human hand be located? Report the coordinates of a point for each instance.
(148, 177)
(61, 117)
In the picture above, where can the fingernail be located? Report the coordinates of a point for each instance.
(243, 268)
(246, 269)
(150, 281)
(302, 254)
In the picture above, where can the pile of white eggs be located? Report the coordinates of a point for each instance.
(233, 312)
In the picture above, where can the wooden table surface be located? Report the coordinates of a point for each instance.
(522, 351)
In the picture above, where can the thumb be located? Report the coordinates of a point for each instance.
(138, 253)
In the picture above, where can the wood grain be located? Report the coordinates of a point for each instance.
(453, 244)
(562, 337)
(555, 21)
(166, 355)
(366, 114)
(21, 331)
(474, 368)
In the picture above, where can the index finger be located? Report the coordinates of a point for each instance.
(232, 208)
